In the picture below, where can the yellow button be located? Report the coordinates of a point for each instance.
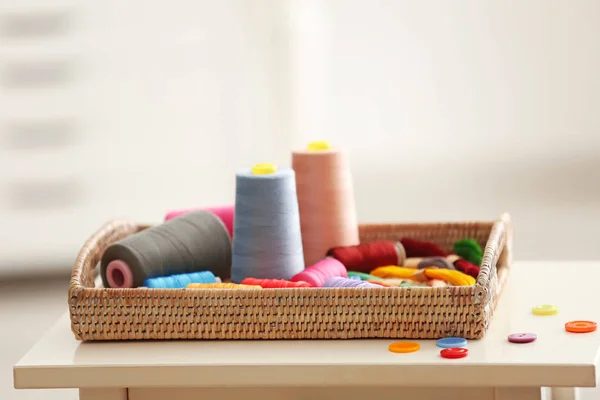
(264, 169)
(545, 309)
(404, 347)
(319, 146)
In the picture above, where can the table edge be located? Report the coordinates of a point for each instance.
(46, 377)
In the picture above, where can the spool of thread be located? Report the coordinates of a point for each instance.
(326, 200)
(267, 242)
(456, 278)
(413, 284)
(180, 281)
(436, 283)
(337, 282)
(420, 263)
(367, 256)
(470, 250)
(227, 285)
(362, 276)
(463, 265)
(225, 213)
(392, 271)
(317, 274)
(197, 241)
(275, 283)
(394, 281)
(415, 248)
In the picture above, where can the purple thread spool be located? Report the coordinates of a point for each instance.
(337, 282)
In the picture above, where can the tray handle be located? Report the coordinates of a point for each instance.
(498, 252)
(91, 252)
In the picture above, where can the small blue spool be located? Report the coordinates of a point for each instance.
(451, 342)
(180, 281)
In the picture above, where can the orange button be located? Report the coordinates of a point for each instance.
(581, 326)
(404, 347)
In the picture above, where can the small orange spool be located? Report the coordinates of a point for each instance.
(581, 326)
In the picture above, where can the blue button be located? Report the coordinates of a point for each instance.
(451, 342)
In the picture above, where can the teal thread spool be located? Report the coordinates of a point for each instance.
(180, 281)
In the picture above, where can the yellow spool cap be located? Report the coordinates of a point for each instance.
(320, 145)
(264, 169)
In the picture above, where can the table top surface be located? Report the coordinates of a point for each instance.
(556, 358)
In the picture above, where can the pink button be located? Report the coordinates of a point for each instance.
(522, 337)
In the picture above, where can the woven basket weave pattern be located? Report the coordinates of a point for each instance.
(336, 313)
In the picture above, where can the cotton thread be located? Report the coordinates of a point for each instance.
(225, 213)
(194, 242)
(326, 200)
(362, 276)
(366, 256)
(227, 285)
(470, 250)
(267, 241)
(275, 283)
(317, 274)
(420, 263)
(456, 278)
(337, 282)
(415, 248)
(180, 280)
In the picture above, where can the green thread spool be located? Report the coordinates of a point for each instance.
(364, 276)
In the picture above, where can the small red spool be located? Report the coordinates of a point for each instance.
(366, 256)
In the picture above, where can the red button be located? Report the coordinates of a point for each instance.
(454, 352)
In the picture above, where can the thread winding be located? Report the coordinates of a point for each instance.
(317, 274)
(337, 282)
(180, 280)
(227, 285)
(267, 241)
(197, 241)
(225, 213)
(415, 248)
(275, 283)
(367, 256)
(325, 199)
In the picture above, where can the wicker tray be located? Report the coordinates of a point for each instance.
(337, 313)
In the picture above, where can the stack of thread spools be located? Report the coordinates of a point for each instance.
(290, 228)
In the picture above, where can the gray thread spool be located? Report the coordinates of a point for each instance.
(267, 241)
(197, 241)
(439, 262)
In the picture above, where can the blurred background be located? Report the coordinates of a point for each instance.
(450, 111)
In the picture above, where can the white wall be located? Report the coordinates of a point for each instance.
(464, 109)
(451, 110)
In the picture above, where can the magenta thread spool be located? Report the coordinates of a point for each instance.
(225, 213)
(196, 241)
(318, 273)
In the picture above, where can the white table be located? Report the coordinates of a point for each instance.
(348, 370)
